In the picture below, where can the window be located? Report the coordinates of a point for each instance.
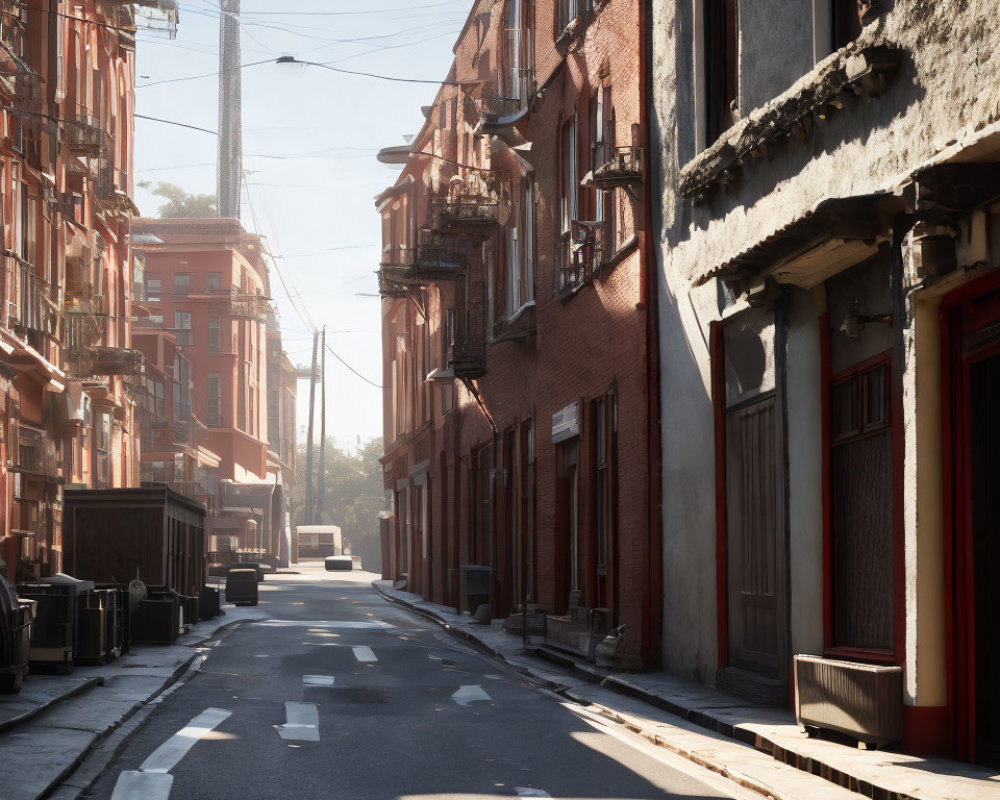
(521, 255)
(182, 284)
(568, 11)
(214, 334)
(213, 415)
(154, 290)
(515, 74)
(213, 282)
(569, 197)
(846, 21)
(182, 327)
(721, 27)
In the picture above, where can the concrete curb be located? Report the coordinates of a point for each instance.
(621, 685)
(20, 719)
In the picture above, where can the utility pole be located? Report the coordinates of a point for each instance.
(309, 435)
(322, 431)
(230, 157)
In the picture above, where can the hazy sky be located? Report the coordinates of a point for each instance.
(309, 138)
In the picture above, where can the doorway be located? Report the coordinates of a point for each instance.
(568, 586)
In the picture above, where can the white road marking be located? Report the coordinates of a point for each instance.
(527, 791)
(433, 657)
(302, 723)
(470, 694)
(318, 680)
(143, 786)
(365, 654)
(328, 624)
(165, 757)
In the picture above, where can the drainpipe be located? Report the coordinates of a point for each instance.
(652, 595)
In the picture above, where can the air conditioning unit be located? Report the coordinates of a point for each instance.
(864, 701)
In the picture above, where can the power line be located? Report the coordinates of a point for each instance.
(366, 380)
(178, 124)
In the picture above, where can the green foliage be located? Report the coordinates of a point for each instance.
(352, 498)
(180, 204)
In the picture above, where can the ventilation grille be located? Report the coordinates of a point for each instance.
(860, 700)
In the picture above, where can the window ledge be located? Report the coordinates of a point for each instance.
(861, 68)
(520, 325)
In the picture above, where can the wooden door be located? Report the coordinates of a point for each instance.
(756, 554)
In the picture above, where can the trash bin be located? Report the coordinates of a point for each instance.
(475, 587)
(15, 632)
(54, 629)
(241, 587)
(254, 565)
(189, 605)
(209, 602)
(91, 631)
(335, 563)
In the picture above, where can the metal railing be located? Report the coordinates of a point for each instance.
(580, 253)
(467, 353)
(26, 297)
(617, 166)
(513, 97)
(85, 134)
(244, 306)
(118, 361)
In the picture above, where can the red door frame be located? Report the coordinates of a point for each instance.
(958, 556)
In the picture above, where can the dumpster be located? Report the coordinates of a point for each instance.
(157, 617)
(475, 587)
(241, 587)
(15, 632)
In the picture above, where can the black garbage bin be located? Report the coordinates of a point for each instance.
(15, 633)
(475, 588)
(157, 618)
(54, 629)
(241, 587)
(209, 602)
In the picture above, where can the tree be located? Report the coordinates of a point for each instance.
(353, 496)
(180, 204)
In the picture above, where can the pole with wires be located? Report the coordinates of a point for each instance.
(322, 431)
(309, 434)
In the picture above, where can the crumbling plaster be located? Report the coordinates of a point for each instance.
(872, 144)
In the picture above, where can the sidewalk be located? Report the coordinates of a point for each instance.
(758, 747)
(48, 729)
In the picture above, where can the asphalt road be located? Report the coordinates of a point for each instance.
(340, 694)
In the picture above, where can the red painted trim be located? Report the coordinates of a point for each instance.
(826, 373)
(717, 346)
(861, 654)
(898, 516)
(925, 730)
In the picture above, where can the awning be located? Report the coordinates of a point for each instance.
(834, 234)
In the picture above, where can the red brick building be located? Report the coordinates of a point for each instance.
(222, 393)
(67, 370)
(520, 422)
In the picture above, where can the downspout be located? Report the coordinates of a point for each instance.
(649, 303)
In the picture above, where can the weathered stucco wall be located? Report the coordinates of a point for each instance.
(950, 74)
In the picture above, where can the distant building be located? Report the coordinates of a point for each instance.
(210, 325)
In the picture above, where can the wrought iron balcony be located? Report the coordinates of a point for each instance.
(82, 329)
(616, 167)
(395, 281)
(467, 353)
(118, 361)
(581, 253)
(28, 304)
(85, 135)
(435, 259)
(474, 202)
(509, 102)
(243, 306)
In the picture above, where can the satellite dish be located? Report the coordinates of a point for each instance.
(136, 593)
